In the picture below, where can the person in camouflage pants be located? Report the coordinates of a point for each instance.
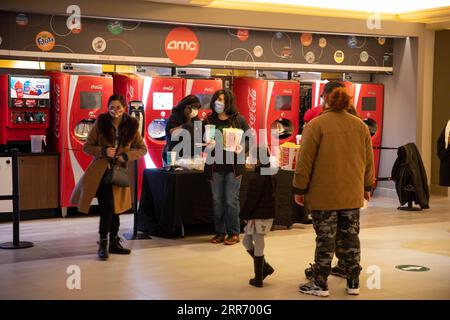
(343, 224)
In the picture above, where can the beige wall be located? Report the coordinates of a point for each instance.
(144, 10)
(400, 104)
(441, 95)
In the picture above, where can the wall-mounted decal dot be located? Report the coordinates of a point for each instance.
(22, 19)
(286, 52)
(258, 51)
(242, 34)
(322, 42)
(45, 41)
(99, 44)
(279, 35)
(310, 57)
(76, 30)
(306, 39)
(381, 40)
(115, 27)
(364, 56)
(339, 56)
(352, 42)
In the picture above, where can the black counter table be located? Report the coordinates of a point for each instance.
(172, 199)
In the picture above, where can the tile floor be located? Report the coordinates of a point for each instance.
(192, 268)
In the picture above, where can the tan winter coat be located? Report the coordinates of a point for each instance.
(96, 145)
(335, 164)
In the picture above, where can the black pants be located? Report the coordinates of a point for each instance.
(109, 221)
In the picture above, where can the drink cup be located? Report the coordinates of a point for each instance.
(36, 142)
(210, 133)
(171, 157)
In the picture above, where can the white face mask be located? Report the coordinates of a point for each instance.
(219, 107)
(115, 111)
(115, 114)
(194, 113)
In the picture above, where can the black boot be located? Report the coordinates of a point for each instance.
(268, 270)
(116, 247)
(102, 249)
(258, 264)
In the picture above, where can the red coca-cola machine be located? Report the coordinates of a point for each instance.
(270, 105)
(159, 95)
(24, 108)
(316, 92)
(204, 90)
(77, 100)
(369, 102)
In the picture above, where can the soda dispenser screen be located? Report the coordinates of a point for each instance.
(205, 100)
(369, 104)
(283, 103)
(162, 100)
(90, 100)
(23, 87)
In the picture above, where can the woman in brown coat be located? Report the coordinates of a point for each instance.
(114, 135)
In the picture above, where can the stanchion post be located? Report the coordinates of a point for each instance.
(15, 197)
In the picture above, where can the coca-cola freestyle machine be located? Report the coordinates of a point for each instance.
(270, 105)
(204, 90)
(159, 95)
(77, 100)
(368, 99)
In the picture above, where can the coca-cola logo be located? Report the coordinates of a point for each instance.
(168, 88)
(181, 46)
(209, 90)
(96, 87)
(251, 103)
(130, 92)
(287, 91)
(56, 109)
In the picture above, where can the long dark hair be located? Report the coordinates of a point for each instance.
(189, 101)
(230, 107)
(119, 98)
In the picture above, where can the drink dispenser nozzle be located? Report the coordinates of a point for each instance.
(136, 110)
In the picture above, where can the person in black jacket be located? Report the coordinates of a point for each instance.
(224, 171)
(443, 149)
(182, 116)
(258, 212)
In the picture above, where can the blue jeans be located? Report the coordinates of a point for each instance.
(225, 190)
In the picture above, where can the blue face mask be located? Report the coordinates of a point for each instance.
(219, 107)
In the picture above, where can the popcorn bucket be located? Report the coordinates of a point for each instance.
(232, 138)
(288, 156)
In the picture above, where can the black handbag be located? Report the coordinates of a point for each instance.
(116, 174)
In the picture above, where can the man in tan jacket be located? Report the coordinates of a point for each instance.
(334, 172)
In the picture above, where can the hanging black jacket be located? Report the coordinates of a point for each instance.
(410, 176)
(444, 156)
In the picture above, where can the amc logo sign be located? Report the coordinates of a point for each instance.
(181, 46)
